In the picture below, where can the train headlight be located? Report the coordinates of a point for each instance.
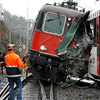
(43, 48)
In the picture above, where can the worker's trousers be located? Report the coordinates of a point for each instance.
(16, 80)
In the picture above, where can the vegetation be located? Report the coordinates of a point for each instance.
(4, 33)
(16, 26)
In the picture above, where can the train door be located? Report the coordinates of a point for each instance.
(94, 60)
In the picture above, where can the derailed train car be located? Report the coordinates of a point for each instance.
(61, 43)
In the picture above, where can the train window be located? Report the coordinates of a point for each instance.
(54, 23)
(39, 20)
(92, 28)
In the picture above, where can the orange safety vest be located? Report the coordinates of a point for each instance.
(13, 64)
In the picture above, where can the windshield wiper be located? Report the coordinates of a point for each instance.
(51, 19)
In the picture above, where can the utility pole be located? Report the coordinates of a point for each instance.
(10, 30)
(20, 38)
(27, 33)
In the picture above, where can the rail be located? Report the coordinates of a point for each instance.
(43, 93)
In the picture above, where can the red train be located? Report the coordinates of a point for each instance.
(61, 42)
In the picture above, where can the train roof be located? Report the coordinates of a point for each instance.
(95, 12)
(62, 10)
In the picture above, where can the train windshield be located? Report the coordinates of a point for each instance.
(54, 23)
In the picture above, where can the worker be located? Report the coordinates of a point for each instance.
(24, 59)
(13, 70)
(25, 65)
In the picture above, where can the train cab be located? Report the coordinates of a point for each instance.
(51, 25)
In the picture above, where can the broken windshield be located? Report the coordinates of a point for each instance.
(54, 23)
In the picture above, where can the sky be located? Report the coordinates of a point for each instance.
(31, 7)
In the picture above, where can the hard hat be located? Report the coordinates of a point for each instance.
(10, 46)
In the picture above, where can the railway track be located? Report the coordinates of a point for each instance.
(34, 89)
(31, 90)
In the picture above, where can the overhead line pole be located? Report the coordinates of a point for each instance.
(27, 33)
(10, 30)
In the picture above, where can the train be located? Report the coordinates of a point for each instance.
(64, 41)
